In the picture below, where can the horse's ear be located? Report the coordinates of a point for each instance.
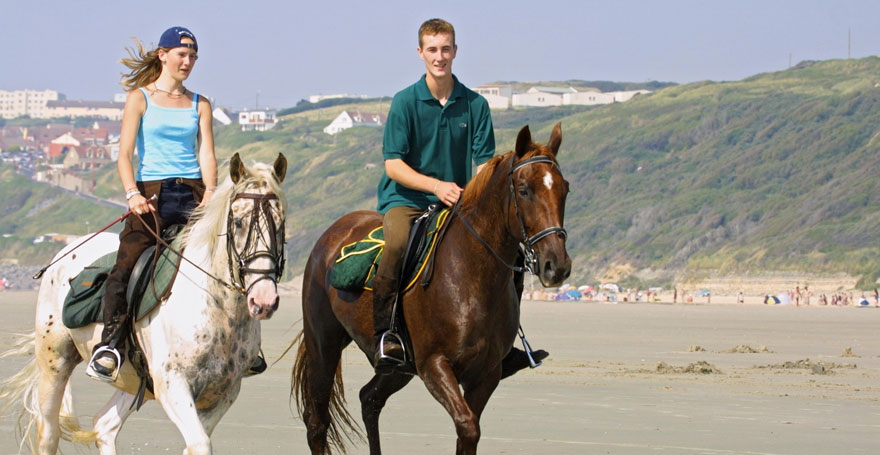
(555, 139)
(280, 167)
(236, 168)
(523, 141)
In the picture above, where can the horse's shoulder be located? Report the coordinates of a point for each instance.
(360, 218)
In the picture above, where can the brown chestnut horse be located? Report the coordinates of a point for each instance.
(462, 324)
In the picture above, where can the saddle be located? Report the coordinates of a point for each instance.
(153, 271)
(357, 262)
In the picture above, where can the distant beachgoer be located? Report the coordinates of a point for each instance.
(876, 298)
(739, 297)
(674, 295)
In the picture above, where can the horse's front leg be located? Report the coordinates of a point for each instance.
(109, 421)
(436, 373)
(175, 395)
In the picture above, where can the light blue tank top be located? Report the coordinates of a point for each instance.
(166, 142)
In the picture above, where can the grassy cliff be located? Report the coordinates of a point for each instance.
(777, 172)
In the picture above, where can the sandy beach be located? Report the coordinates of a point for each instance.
(621, 379)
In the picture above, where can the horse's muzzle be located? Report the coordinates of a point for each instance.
(553, 267)
(262, 300)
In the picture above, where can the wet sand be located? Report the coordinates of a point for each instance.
(603, 390)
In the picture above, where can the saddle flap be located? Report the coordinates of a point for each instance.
(356, 264)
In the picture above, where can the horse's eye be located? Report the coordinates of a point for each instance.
(523, 191)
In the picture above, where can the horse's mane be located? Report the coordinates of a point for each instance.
(207, 224)
(474, 189)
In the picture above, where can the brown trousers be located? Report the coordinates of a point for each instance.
(396, 226)
(134, 239)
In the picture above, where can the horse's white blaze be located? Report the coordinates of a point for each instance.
(548, 181)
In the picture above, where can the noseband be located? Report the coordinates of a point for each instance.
(526, 245)
(249, 253)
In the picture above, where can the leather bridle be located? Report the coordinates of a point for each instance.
(275, 243)
(526, 245)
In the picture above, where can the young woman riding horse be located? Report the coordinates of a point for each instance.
(198, 343)
(462, 324)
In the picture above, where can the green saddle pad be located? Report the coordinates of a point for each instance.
(356, 265)
(82, 306)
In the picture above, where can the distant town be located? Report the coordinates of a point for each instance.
(80, 137)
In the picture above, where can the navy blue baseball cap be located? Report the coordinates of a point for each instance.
(171, 38)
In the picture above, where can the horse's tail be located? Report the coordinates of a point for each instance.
(342, 425)
(18, 395)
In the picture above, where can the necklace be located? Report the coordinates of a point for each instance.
(171, 94)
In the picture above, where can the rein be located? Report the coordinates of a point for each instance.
(526, 245)
(277, 258)
(162, 242)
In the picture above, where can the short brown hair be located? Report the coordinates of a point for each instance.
(436, 26)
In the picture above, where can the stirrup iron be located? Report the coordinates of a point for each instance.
(382, 356)
(528, 350)
(100, 376)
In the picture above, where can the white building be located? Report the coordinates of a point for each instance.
(541, 97)
(32, 103)
(78, 108)
(346, 120)
(498, 96)
(588, 98)
(257, 120)
(316, 98)
(222, 116)
(620, 97)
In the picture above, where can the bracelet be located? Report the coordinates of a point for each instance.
(210, 190)
(131, 193)
(435, 186)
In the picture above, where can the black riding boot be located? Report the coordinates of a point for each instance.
(107, 355)
(389, 352)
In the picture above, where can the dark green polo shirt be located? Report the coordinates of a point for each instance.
(437, 141)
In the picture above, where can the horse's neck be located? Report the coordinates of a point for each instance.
(489, 218)
(211, 258)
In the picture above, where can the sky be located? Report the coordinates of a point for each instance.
(272, 53)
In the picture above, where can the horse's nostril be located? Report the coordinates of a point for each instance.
(275, 305)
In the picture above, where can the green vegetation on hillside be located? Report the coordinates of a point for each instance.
(777, 172)
(30, 209)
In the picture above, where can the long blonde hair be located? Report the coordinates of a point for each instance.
(145, 66)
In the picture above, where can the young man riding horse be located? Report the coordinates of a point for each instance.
(436, 128)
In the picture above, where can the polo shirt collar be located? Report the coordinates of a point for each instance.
(425, 95)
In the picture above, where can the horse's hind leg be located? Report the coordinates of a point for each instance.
(109, 421)
(322, 361)
(373, 397)
(56, 358)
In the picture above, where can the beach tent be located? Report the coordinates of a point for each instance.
(784, 298)
(771, 300)
(574, 294)
(610, 287)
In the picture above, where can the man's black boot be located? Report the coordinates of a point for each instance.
(389, 352)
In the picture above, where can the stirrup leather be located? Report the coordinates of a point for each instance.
(92, 373)
(383, 356)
